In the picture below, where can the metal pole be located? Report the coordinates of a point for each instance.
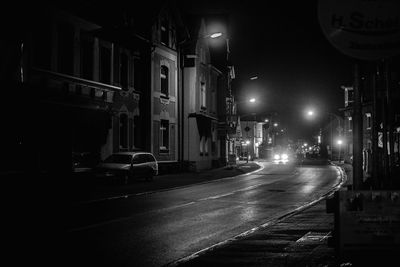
(389, 123)
(375, 129)
(384, 131)
(357, 132)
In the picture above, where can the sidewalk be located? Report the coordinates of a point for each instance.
(297, 240)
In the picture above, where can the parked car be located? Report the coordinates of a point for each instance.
(127, 166)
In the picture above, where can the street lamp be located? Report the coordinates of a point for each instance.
(310, 114)
(215, 35)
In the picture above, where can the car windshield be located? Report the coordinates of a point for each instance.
(117, 158)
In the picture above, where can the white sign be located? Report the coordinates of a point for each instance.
(363, 29)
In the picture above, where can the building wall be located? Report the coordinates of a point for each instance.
(165, 107)
(87, 94)
(200, 85)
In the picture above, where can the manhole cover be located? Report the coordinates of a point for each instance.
(314, 237)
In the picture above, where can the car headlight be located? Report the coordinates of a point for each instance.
(285, 156)
(276, 156)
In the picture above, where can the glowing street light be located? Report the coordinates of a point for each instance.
(215, 35)
(311, 114)
(252, 100)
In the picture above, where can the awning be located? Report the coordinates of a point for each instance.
(203, 123)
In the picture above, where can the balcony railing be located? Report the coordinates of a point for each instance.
(74, 85)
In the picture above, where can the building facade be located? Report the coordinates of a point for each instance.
(200, 85)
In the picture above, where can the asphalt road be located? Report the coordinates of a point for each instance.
(160, 228)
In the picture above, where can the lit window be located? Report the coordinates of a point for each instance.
(368, 120)
(350, 121)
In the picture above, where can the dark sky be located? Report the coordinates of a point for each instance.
(282, 43)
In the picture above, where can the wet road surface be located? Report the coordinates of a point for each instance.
(160, 228)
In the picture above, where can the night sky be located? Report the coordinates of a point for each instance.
(282, 43)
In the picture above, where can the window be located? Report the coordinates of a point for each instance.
(141, 158)
(65, 49)
(87, 58)
(350, 124)
(42, 47)
(136, 131)
(203, 95)
(137, 74)
(368, 120)
(105, 65)
(124, 73)
(165, 32)
(348, 96)
(201, 145)
(123, 131)
(164, 135)
(150, 158)
(164, 80)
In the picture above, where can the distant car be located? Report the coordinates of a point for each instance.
(282, 157)
(127, 166)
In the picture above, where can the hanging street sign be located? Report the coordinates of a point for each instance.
(366, 30)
